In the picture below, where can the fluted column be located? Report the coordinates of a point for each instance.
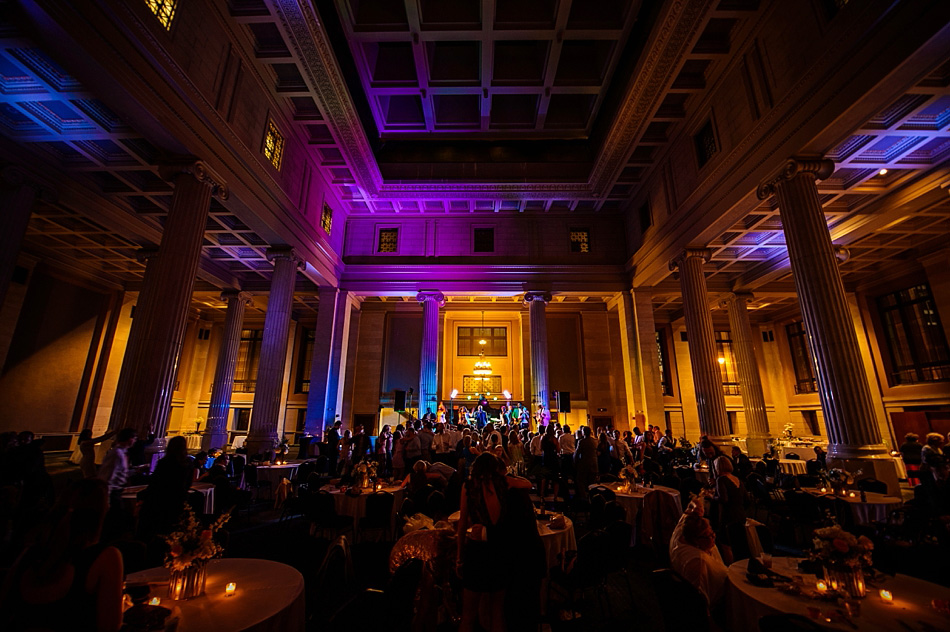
(537, 322)
(431, 301)
(707, 379)
(270, 369)
(151, 357)
(750, 382)
(327, 362)
(16, 205)
(216, 430)
(842, 381)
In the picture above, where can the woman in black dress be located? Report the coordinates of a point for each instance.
(550, 462)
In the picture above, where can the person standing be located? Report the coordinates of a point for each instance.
(333, 445)
(585, 463)
(87, 447)
(115, 467)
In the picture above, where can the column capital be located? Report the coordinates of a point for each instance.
(730, 298)
(820, 168)
(691, 251)
(16, 176)
(240, 295)
(203, 173)
(284, 252)
(842, 253)
(544, 297)
(431, 295)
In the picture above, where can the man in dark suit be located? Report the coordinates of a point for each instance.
(333, 445)
(585, 463)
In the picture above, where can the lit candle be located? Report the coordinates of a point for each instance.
(824, 489)
(886, 596)
(230, 588)
(851, 495)
(821, 586)
(156, 601)
(843, 492)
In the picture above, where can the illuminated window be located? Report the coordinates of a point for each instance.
(495, 338)
(666, 384)
(249, 355)
(273, 145)
(388, 240)
(326, 218)
(580, 240)
(727, 363)
(472, 384)
(917, 346)
(164, 10)
(304, 360)
(801, 358)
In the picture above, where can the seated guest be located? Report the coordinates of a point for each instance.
(67, 580)
(932, 452)
(693, 554)
(822, 457)
(741, 464)
(910, 449)
(422, 479)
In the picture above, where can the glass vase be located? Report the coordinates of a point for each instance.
(188, 583)
(848, 581)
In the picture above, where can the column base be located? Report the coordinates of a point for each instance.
(881, 467)
(213, 440)
(259, 445)
(757, 446)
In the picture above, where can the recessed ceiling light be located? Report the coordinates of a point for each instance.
(882, 172)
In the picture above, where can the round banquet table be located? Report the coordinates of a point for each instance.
(556, 541)
(632, 502)
(269, 597)
(356, 505)
(877, 507)
(130, 494)
(275, 473)
(912, 597)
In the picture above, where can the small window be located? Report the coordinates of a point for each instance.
(388, 240)
(273, 145)
(646, 218)
(580, 240)
(705, 141)
(164, 10)
(303, 362)
(917, 347)
(326, 218)
(242, 419)
(483, 240)
(495, 341)
(727, 363)
(249, 355)
(666, 384)
(801, 359)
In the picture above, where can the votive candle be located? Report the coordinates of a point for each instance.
(154, 601)
(821, 586)
(823, 490)
(886, 596)
(851, 494)
(229, 589)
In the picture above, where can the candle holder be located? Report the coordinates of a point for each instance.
(886, 596)
(230, 589)
(189, 582)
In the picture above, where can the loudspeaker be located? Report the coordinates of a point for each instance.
(564, 401)
(400, 397)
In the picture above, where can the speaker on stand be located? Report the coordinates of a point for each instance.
(563, 401)
(399, 398)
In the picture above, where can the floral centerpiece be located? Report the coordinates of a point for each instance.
(281, 450)
(364, 473)
(787, 432)
(190, 547)
(844, 556)
(630, 474)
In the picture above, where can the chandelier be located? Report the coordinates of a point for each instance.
(482, 369)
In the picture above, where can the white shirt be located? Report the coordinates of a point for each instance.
(705, 571)
(115, 468)
(535, 445)
(443, 443)
(567, 443)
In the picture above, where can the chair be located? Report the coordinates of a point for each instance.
(589, 570)
(435, 505)
(253, 483)
(406, 510)
(813, 467)
(872, 485)
(379, 512)
(600, 490)
(325, 516)
(334, 578)
(391, 608)
(793, 456)
(682, 605)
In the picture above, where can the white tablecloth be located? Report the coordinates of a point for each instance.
(557, 541)
(269, 597)
(130, 494)
(748, 603)
(804, 452)
(356, 505)
(275, 473)
(194, 441)
(877, 507)
(632, 502)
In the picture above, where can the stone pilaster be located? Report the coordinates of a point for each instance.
(151, 356)
(707, 378)
(536, 302)
(216, 430)
(327, 362)
(431, 301)
(842, 380)
(750, 381)
(270, 372)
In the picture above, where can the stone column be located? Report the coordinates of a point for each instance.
(842, 381)
(270, 370)
(328, 359)
(16, 205)
(707, 379)
(150, 364)
(431, 301)
(539, 348)
(216, 430)
(750, 382)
